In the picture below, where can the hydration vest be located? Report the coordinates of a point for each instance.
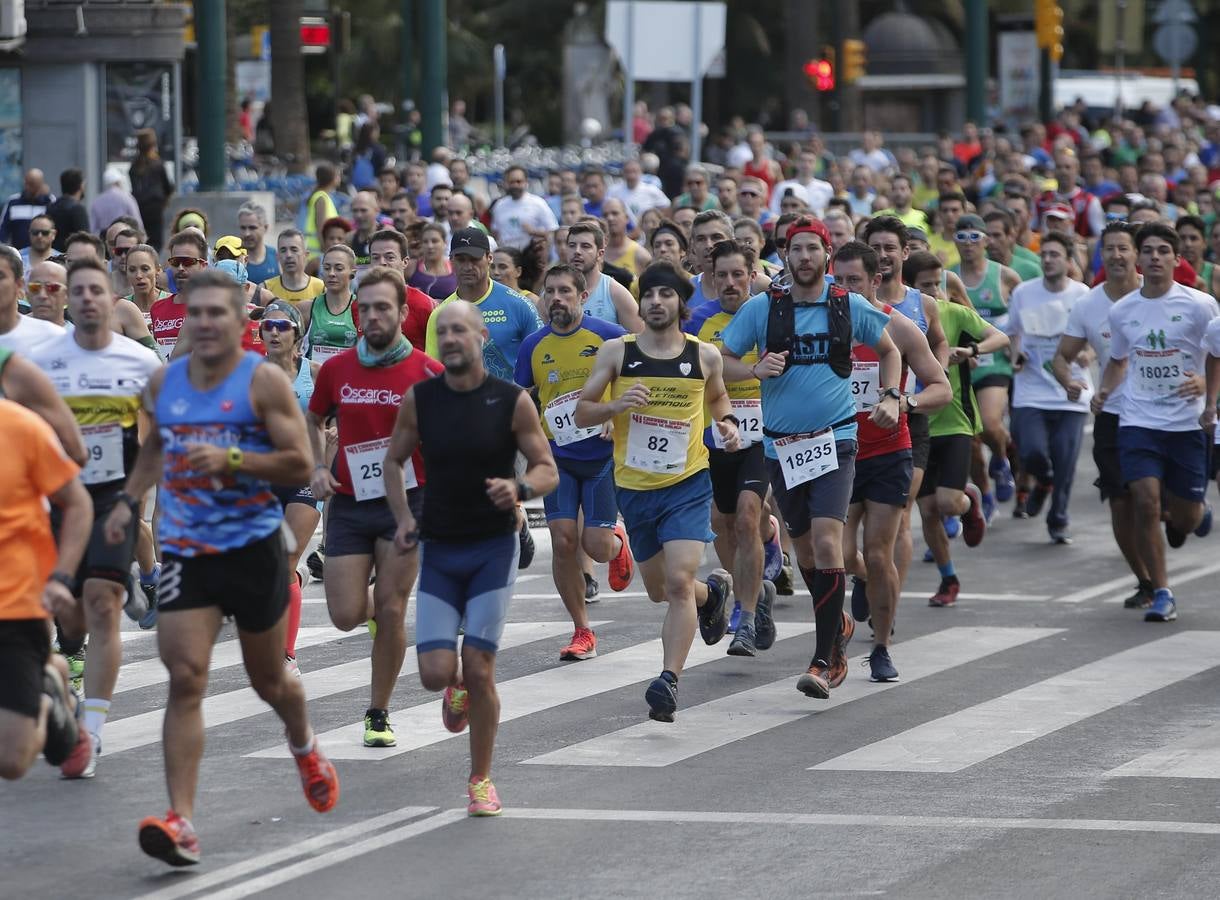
(781, 327)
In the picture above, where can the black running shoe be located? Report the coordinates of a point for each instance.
(1141, 599)
(881, 667)
(592, 589)
(1037, 499)
(316, 562)
(662, 698)
(1173, 537)
(764, 621)
(527, 546)
(62, 726)
(859, 599)
(713, 623)
(743, 642)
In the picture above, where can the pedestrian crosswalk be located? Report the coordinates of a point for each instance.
(1020, 704)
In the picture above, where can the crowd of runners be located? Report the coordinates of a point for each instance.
(762, 361)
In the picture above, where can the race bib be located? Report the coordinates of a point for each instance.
(322, 352)
(657, 445)
(364, 465)
(1156, 374)
(804, 457)
(749, 429)
(986, 359)
(104, 444)
(865, 384)
(559, 418)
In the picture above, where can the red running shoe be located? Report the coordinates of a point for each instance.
(455, 707)
(974, 524)
(583, 645)
(946, 594)
(171, 840)
(319, 779)
(622, 567)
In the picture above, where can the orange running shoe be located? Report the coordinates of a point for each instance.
(171, 840)
(622, 567)
(815, 682)
(455, 707)
(583, 645)
(484, 801)
(838, 656)
(319, 779)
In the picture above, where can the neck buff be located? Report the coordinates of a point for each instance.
(392, 355)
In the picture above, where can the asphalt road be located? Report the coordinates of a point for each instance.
(1043, 742)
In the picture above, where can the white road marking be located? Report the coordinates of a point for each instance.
(737, 716)
(962, 739)
(1177, 576)
(1005, 598)
(1197, 755)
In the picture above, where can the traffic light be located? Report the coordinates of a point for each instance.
(821, 72)
(1048, 27)
(855, 60)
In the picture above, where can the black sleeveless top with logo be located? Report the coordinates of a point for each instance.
(465, 437)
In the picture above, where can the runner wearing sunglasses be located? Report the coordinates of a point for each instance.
(188, 253)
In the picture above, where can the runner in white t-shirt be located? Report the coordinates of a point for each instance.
(1156, 342)
(519, 216)
(1089, 326)
(1047, 423)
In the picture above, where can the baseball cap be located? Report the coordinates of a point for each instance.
(917, 234)
(1059, 211)
(469, 241)
(971, 222)
(232, 244)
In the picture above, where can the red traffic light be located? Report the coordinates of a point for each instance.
(315, 33)
(821, 74)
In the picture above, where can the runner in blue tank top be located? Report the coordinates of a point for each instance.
(225, 427)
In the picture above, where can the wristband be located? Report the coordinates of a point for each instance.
(729, 417)
(524, 491)
(128, 500)
(235, 458)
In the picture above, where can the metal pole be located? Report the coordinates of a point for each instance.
(629, 78)
(210, 34)
(1046, 87)
(696, 90)
(433, 41)
(501, 68)
(976, 60)
(1120, 57)
(406, 42)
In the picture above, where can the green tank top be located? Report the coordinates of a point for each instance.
(330, 333)
(988, 301)
(1206, 275)
(5, 356)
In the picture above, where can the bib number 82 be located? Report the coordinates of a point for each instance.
(660, 444)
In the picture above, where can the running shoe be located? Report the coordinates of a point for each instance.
(303, 574)
(764, 621)
(455, 708)
(1141, 599)
(734, 616)
(1037, 498)
(743, 642)
(319, 779)
(1163, 609)
(1060, 535)
(1002, 476)
(63, 729)
(1020, 509)
(773, 554)
(859, 599)
(953, 525)
(377, 730)
(371, 625)
(838, 656)
(171, 840)
(148, 584)
(814, 683)
(592, 589)
(622, 567)
(974, 525)
(662, 698)
(946, 594)
(135, 606)
(527, 545)
(1205, 524)
(712, 620)
(484, 801)
(881, 667)
(76, 669)
(316, 562)
(783, 581)
(928, 556)
(82, 761)
(149, 620)
(290, 663)
(989, 508)
(582, 646)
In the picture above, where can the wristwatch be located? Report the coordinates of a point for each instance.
(729, 417)
(524, 491)
(912, 403)
(892, 392)
(235, 458)
(127, 500)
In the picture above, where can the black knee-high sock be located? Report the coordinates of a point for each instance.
(68, 646)
(826, 586)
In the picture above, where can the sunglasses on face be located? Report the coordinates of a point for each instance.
(40, 232)
(50, 287)
(185, 262)
(970, 237)
(120, 251)
(280, 325)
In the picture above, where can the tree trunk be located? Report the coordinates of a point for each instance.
(232, 126)
(289, 119)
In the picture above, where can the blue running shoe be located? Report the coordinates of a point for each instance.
(1005, 486)
(928, 557)
(1205, 525)
(989, 508)
(734, 617)
(1163, 609)
(859, 599)
(773, 554)
(662, 698)
(953, 526)
(881, 666)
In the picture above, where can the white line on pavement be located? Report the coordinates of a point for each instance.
(969, 736)
(1197, 755)
(1007, 598)
(192, 884)
(1177, 576)
(421, 726)
(737, 716)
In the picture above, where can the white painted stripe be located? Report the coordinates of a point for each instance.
(969, 823)
(232, 706)
(1195, 756)
(126, 636)
(339, 856)
(962, 739)
(728, 719)
(1177, 576)
(148, 672)
(191, 884)
(420, 726)
(1004, 598)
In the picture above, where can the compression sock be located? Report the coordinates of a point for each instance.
(947, 570)
(68, 646)
(294, 616)
(827, 587)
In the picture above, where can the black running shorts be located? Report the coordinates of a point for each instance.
(250, 583)
(25, 646)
